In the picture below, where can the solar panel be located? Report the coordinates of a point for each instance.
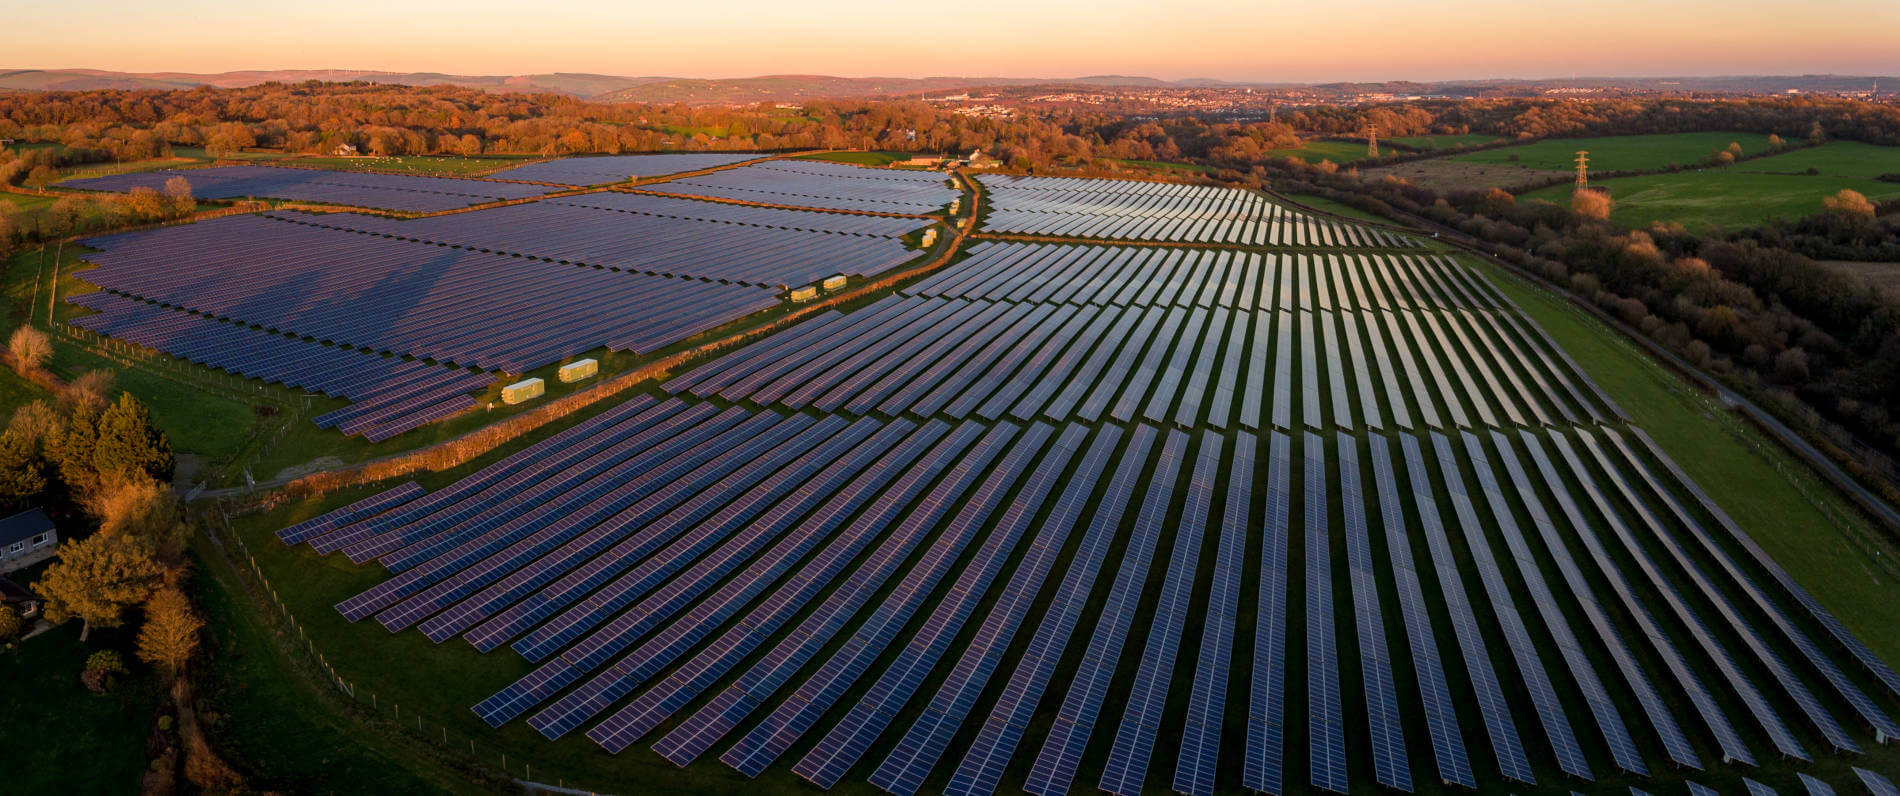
(982, 766)
(1530, 666)
(1498, 724)
(1127, 765)
(1055, 764)
(1391, 764)
(1848, 691)
(861, 725)
(1266, 731)
(1441, 717)
(1325, 720)
(905, 768)
(1583, 675)
(1195, 769)
(1876, 784)
(1712, 715)
(1725, 664)
(1814, 786)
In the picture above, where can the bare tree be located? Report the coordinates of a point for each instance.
(30, 348)
(92, 389)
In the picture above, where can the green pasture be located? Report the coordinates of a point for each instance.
(1619, 153)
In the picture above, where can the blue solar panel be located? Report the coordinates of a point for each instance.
(860, 726)
(1711, 713)
(1266, 730)
(1756, 788)
(362, 189)
(1391, 766)
(1583, 675)
(905, 768)
(1530, 666)
(828, 488)
(1876, 784)
(1851, 693)
(811, 700)
(1725, 664)
(1195, 771)
(982, 766)
(1441, 718)
(1820, 613)
(640, 716)
(483, 309)
(1127, 765)
(1325, 717)
(598, 169)
(1498, 724)
(1055, 765)
(1814, 786)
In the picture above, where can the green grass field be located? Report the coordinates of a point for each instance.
(268, 715)
(77, 741)
(1330, 206)
(1619, 153)
(1316, 151)
(1448, 141)
(418, 165)
(1721, 198)
(859, 158)
(1832, 159)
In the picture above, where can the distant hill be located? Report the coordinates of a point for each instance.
(795, 88)
(572, 84)
(788, 88)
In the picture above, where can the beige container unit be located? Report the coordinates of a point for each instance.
(526, 389)
(577, 370)
(833, 283)
(804, 294)
(955, 204)
(930, 237)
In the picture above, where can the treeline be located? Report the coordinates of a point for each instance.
(76, 214)
(1763, 318)
(1869, 235)
(405, 120)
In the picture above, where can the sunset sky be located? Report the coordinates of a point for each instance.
(1227, 39)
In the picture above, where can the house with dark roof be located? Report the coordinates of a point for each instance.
(25, 602)
(26, 538)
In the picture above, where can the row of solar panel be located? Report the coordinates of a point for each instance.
(1188, 277)
(1129, 210)
(663, 245)
(358, 189)
(1187, 365)
(613, 553)
(819, 184)
(601, 169)
(393, 296)
(389, 395)
(1304, 232)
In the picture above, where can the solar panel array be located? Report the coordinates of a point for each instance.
(472, 308)
(610, 556)
(1165, 212)
(1211, 338)
(974, 537)
(819, 184)
(357, 189)
(600, 169)
(660, 235)
(389, 395)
